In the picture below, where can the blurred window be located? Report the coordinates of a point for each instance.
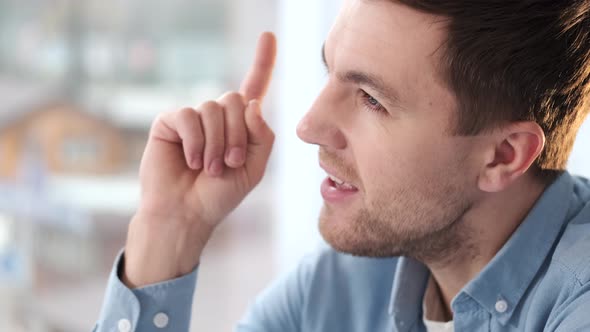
(80, 151)
(105, 41)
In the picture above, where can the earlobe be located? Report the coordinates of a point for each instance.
(516, 149)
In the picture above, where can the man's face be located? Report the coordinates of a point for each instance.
(384, 124)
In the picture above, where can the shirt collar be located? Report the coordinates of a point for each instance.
(409, 284)
(500, 286)
(508, 274)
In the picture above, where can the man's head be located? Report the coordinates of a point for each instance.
(432, 106)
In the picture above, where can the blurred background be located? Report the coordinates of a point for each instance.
(80, 83)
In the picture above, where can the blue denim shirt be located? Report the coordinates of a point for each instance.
(538, 281)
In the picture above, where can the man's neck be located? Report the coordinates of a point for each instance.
(491, 221)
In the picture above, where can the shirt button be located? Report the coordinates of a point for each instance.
(161, 320)
(501, 306)
(124, 325)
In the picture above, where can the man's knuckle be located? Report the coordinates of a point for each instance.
(210, 107)
(186, 113)
(235, 96)
(160, 119)
(234, 99)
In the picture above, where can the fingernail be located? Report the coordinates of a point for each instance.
(237, 156)
(216, 167)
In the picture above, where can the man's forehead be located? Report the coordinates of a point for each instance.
(388, 23)
(389, 40)
(385, 32)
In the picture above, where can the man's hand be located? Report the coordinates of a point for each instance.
(198, 165)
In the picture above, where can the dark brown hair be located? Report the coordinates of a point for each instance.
(518, 60)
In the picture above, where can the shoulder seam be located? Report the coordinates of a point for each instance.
(569, 270)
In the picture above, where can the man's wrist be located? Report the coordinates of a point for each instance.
(160, 249)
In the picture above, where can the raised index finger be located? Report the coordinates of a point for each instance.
(255, 85)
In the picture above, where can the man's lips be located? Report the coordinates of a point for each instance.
(337, 179)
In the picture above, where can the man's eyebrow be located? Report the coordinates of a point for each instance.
(360, 78)
(374, 82)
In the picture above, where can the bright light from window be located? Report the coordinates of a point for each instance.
(5, 232)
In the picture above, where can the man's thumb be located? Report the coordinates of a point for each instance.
(260, 139)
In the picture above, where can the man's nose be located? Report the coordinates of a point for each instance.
(320, 126)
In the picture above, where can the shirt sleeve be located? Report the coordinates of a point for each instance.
(160, 307)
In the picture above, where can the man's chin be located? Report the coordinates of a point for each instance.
(345, 237)
(359, 250)
(336, 222)
(358, 234)
(336, 232)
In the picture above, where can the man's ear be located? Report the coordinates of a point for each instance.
(514, 149)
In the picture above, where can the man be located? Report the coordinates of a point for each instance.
(444, 127)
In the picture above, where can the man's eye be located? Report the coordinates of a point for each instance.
(371, 103)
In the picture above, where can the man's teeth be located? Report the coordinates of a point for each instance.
(340, 182)
(336, 180)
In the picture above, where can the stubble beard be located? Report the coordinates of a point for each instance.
(433, 233)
